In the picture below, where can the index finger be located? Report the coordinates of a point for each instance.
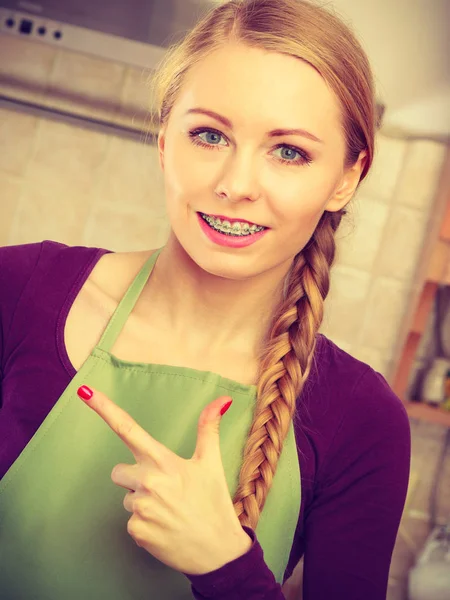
(141, 443)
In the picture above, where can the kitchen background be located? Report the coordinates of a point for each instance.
(73, 182)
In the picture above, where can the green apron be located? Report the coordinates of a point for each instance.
(63, 527)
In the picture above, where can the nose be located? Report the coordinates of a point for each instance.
(239, 179)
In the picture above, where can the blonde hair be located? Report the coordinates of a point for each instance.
(304, 30)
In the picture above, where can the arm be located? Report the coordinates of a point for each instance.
(351, 527)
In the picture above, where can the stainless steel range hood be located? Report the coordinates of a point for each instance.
(134, 32)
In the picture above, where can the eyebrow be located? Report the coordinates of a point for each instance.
(273, 133)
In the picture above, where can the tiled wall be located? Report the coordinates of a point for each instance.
(82, 187)
(380, 247)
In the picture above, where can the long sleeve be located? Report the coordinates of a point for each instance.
(247, 578)
(352, 524)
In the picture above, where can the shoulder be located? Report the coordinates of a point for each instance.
(30, 270)
(57, 263)
(38, 276)
(368, 392)
(348, 385)
(18, 261)
(57, 273)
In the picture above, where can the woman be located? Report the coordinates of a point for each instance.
(313, 457)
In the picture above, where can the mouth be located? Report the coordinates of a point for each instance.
(230, 226)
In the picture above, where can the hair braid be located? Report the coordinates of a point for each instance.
(284, 367)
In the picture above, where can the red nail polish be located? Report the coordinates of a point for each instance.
(225, 407)
(85, 392)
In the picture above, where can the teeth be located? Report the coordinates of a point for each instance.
(236, 228)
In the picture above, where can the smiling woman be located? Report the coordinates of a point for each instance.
(266, 116)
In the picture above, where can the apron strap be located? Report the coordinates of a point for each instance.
(126, 305)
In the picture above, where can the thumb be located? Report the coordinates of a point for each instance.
(208, 439)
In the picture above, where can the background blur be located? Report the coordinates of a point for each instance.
(79, 182)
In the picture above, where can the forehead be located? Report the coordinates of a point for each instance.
(250, 85)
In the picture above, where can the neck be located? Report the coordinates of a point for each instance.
(209, 312)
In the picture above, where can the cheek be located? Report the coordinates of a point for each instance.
(303, 225)
(185, 178)
(298, 213)
(312, 192)
(302, 210)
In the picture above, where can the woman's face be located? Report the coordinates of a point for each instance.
(285, 188)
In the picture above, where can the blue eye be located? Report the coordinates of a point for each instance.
(304, 158)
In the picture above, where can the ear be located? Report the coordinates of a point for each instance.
(161, 142)
(347, 185)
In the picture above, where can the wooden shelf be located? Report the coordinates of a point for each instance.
(425, 412)
(439, 262)
(433, 270)
(424, 306)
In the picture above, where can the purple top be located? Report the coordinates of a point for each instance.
(353, 437)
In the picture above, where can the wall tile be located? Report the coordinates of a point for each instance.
(402, 243)
(385, 170)
(25, 67)
(11, 190)
(69, 154)
(124, 230)
(385, 308)
(418, 182)
(360, 233)
(136, 100)
(131, 176)
(345, 304)
(50, 210)
(85, 85)
(17, 135)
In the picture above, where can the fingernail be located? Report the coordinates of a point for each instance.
(225, 407)
(85, 392)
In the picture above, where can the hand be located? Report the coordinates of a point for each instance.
(182, 511)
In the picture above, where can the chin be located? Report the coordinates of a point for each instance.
(217, 261)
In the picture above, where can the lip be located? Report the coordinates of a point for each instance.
(234, 220)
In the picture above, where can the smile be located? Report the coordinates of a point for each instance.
(229, 227)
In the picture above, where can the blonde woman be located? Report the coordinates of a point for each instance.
(144, 489)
